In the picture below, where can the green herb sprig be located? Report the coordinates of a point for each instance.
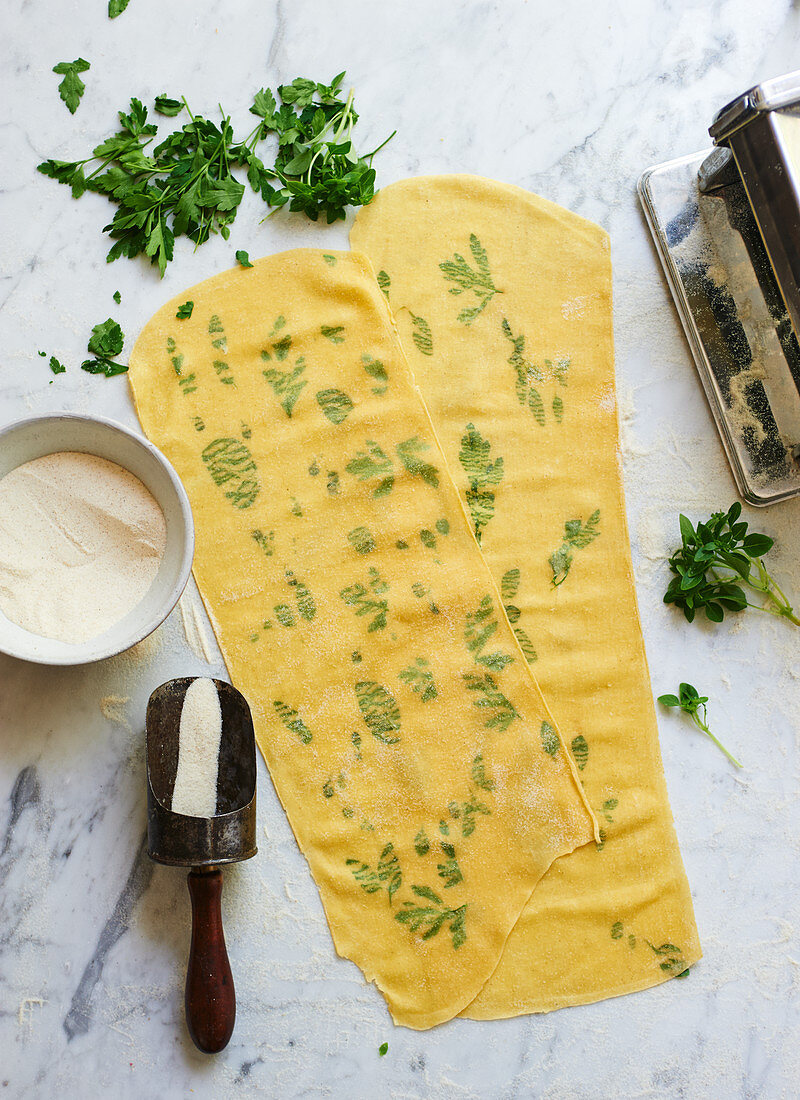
(185, 186)
(691, 702)
(718, 557)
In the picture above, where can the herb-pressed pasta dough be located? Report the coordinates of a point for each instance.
(503, 304)
(422, 773)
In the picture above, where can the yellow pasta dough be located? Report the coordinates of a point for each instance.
(503, 304)
(423, 776)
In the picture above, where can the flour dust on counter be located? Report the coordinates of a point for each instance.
(81, 540)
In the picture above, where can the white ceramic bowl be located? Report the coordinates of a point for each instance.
(43, 435)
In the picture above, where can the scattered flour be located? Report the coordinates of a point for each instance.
(81, 540)
(195, 790)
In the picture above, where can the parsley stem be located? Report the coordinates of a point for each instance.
(369, 156)
(698, 721)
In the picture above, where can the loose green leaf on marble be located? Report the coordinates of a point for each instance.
(168, 107)
(242, 259)
(71, 87)
(116, 7)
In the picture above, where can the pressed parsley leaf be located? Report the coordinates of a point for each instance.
(116, 7)
(168, 107)
(55, 366)
(243, 259)
(185, 311)
(71, 87)
(185, 186)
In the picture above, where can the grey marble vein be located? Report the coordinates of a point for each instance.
(79, 1018)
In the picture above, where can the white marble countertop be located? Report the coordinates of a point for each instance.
(571, 100)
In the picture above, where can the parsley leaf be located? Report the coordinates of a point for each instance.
(117, 297)
(185, 311)
(71, 87)
(55, 366)
(106, 341)
(243, 259)
(168, 107)
(383, 1049)
(116, 7)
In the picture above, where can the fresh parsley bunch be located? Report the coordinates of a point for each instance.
(715, 560)
(186, 186)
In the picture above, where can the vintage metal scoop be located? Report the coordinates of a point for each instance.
(726, 223)
(204, 844)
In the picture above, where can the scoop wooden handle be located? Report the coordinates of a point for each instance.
(210, 996)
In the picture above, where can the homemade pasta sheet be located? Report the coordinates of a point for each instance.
(503, 305)
(424, 777)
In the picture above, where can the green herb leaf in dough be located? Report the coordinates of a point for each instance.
(334, 333)
(369, 601)
(577, 535)
(379, 710)
(384, 282)
(361, 539)
(420, 679)
(477, 280)
(409, 452)
(336, 405)
(492, 698)
(185, 311)
(580, 751)
(550, 741)
(422, 337)
(481, 473)
(479, 776)
(293, 722)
